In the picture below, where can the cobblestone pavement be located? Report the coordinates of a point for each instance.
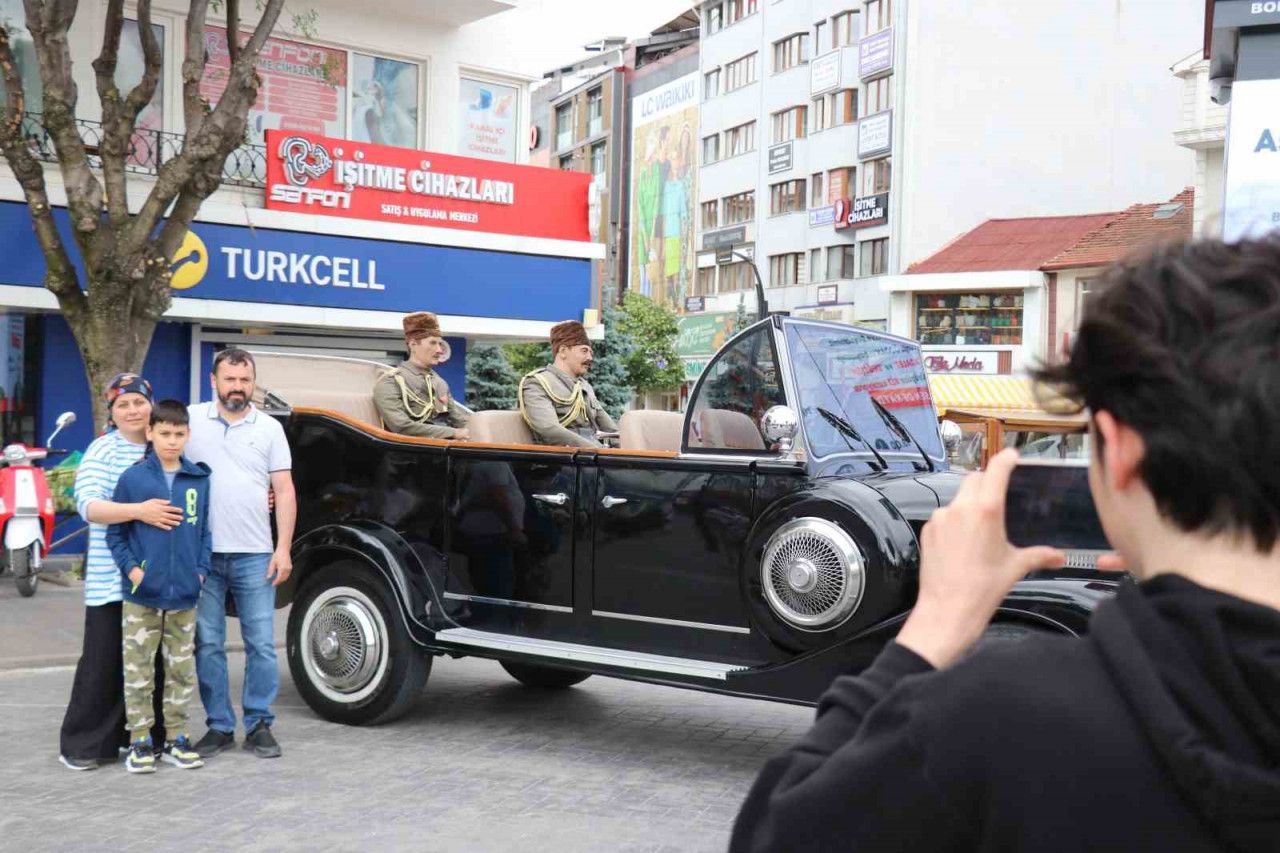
(480, 764)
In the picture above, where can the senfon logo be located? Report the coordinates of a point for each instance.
(189, 264)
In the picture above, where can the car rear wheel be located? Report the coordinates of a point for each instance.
(548, 677)
(349, 653)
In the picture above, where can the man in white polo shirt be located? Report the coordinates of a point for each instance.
(249, 456)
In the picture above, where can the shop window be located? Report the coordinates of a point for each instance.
(595, 111)
(966, 319)
(875, 176)
(739, 386)
(710, 215)
(789, 124)
(740, 208)
(784, 270)
(879, 15)
(740, 139)
(711, 84)
(786, 197)
(790, 52)
(19, 379)
(710, 149)
(740, 72)
(875, 256)
(844, 29)
(384, 101)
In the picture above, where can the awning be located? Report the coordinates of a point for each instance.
(1010, 398)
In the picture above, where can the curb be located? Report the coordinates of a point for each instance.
(58, 661)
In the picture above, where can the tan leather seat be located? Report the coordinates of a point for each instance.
(343, 385)
(728, 430)
(499, 427)
(643, 429)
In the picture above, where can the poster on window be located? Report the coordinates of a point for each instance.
(1252, 185)
(130, 64)
(488, 120)
(664, 188)
(304, 86)
(14, 20)
(384, 101)
(12, 347)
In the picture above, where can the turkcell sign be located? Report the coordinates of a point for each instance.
(339, 177)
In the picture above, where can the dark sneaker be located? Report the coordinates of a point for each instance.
(261, 743)
(180, 754)
(78, 763)
(214, 742)
(141, 758)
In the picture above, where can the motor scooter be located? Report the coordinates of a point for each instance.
(26, 509)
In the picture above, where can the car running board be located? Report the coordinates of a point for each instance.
(587, 654)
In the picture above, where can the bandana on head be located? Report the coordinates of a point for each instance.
(127, 383)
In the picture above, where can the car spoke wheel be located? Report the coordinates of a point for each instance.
(344, 644)
(812, 574)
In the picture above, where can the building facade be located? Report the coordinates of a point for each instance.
(1202, 128)
(272, 271)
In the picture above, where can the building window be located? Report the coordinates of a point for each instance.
(740, 208)
(845, 103)
(875, 256)
(817, 190)
(566, 162)
(740, 72)
(819, 34)
(789, 124)
(879, 96)
(564, 126)
(842, 183)
(819, 115)
(966, 319)
(710, 215)
(711, 84)
(784, 270)
(879, 15)
(711, 149)
(815, 265)
(740, 139)
(790, 52)
(844, 29)
(595, 112)
(736, 10)
(786, 197)
(715, 19)
(841, 261)
(875, 176)
(736, 276)
(597, 163)
(705, 284)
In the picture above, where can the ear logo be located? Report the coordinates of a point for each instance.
(189, 264)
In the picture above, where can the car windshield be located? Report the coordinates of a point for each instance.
(838, 371)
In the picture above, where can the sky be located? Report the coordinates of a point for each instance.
(552, 32)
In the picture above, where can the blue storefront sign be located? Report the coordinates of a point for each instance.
(241, 264)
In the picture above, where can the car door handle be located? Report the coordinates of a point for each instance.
(609, 501)
(559, 498)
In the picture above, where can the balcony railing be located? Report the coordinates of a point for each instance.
(246, 166)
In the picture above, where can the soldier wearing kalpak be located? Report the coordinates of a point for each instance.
(412, 398)
(560, 406)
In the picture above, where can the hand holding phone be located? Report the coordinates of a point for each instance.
(1049, 503)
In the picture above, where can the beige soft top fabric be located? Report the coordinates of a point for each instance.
(642, 429)
(344, 385)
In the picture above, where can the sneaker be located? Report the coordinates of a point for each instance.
(214, 742)
(78, 763)
(261, 743)
(180, 754)
(141, 758)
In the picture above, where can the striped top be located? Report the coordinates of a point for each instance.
(103, 463)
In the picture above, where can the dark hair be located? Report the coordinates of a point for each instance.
(233, 355)
(1183, 346)
(170, 412)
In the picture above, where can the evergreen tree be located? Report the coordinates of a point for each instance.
(743, 319)
(609, 375)
(491, 383)
(653, 364)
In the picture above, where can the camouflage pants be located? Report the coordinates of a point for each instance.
(145, 629)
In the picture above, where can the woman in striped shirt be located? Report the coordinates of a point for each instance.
(93, 729)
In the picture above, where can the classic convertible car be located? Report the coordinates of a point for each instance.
(760, 544)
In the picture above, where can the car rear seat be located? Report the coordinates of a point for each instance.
(642, 429)
(343, 385)
(729, 430)
(499, 427)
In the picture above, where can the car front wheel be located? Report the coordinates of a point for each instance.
(350, 655)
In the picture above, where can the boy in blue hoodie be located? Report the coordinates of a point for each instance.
(163, 573)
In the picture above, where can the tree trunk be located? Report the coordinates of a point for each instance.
(111, 338)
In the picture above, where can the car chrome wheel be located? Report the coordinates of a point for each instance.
(812, 574)
(344, 644)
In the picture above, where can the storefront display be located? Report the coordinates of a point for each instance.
(968, 319)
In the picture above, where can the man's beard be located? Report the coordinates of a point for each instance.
(234, 402)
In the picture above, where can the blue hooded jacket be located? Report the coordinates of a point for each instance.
(173, 561)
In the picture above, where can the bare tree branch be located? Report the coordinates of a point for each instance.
(233, 30)
(112, 152)
(193, 105)
(60, 273)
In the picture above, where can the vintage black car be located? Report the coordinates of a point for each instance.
(760, 544)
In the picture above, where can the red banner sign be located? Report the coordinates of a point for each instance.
(307, 173)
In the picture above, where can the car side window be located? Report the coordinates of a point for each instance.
(740, 385)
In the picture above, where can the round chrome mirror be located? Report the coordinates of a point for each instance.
(780, 426)
(952, 435)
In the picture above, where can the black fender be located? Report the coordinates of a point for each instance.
(414, 575)
(1058, 601)
(885, 537)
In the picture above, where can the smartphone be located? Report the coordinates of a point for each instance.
(1049, 503)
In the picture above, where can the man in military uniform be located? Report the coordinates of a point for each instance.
(413, 399)
(560, 406)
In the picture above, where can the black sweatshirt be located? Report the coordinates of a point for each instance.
(1159, 731)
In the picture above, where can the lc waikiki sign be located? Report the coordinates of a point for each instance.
(337, 177)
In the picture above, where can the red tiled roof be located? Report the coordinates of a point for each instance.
(1011, 244)
(1131, 231)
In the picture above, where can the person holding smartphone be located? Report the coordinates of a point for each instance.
(1160, 730)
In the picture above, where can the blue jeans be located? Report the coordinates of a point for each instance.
(246, 576)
